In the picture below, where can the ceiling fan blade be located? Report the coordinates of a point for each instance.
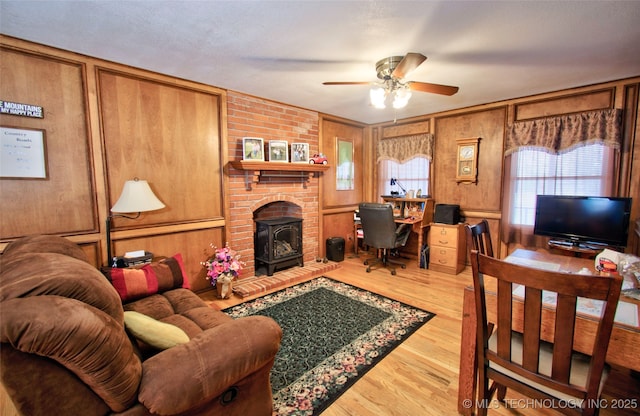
(346, 83)
(410, 62)
(432, 88)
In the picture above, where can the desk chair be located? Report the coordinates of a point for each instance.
(525, 362)
(381, 232)
(479, 238)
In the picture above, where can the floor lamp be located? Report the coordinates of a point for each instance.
(136, 197)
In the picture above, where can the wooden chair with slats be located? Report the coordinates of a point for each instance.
(531, 361)
(479, 238)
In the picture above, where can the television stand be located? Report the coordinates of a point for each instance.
(577, 249)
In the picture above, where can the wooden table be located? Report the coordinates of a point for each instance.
(624, 346)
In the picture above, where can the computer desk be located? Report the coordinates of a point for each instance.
(418, 226)
(624, 346)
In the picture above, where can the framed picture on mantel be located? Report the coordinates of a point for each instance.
(253, 148)
(278, 151)
(300, 152)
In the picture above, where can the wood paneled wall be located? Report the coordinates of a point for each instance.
(489, 122)
(167, 134)
(338, 205)
(104, 124)
(484, 195)
(64, 202)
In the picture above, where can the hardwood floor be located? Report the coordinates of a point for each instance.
(420, 377)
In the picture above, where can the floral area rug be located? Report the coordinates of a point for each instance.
(333, 333)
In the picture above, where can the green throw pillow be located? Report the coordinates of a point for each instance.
(153, 332)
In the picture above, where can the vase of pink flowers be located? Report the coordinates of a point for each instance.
(222, 269)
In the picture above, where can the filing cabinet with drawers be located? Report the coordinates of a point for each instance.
(447, 248)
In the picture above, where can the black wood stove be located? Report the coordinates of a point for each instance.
(277, 244)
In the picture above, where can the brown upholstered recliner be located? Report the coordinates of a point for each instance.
(65, 350)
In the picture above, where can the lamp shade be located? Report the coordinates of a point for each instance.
(137, 196)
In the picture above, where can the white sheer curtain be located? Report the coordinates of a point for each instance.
(407, 159)
(413, 175)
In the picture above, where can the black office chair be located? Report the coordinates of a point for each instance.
(381, 232)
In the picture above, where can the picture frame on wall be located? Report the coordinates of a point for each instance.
(23, 153)
(278, 151)
(345, 169)
(253, 148)
(300, 152)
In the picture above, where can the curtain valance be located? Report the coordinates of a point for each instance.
(561, 134)
(403, 149)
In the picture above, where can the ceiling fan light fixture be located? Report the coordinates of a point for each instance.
(401, 98)
(392, 73)
(378, 96)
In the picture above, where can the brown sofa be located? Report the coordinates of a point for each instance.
(65, 350)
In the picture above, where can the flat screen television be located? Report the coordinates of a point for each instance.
(581, 220)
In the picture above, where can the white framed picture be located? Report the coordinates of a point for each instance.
(300, 152)
(253, 148)
(23, 153)
(278, 151)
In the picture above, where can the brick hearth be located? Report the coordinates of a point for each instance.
(260, 284)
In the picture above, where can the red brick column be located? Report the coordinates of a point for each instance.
(254, 117)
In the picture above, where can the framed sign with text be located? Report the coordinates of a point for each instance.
(22, 153)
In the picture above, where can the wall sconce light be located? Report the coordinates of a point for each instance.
(136, 197)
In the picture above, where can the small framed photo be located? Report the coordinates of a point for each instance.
(278, 151)
(300, 152)
(253, 148)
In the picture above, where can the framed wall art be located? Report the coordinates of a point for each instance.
(278, 151)
(23, 153)
(344, 168)
(300, 152)
(253, 148)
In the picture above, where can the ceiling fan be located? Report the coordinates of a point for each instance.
(392, 72)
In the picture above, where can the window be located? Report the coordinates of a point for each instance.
(412, 175)
(585, 170)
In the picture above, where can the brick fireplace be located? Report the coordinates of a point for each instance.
(271, 196)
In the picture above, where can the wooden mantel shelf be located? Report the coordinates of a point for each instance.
(292, 167)
(254, 170)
